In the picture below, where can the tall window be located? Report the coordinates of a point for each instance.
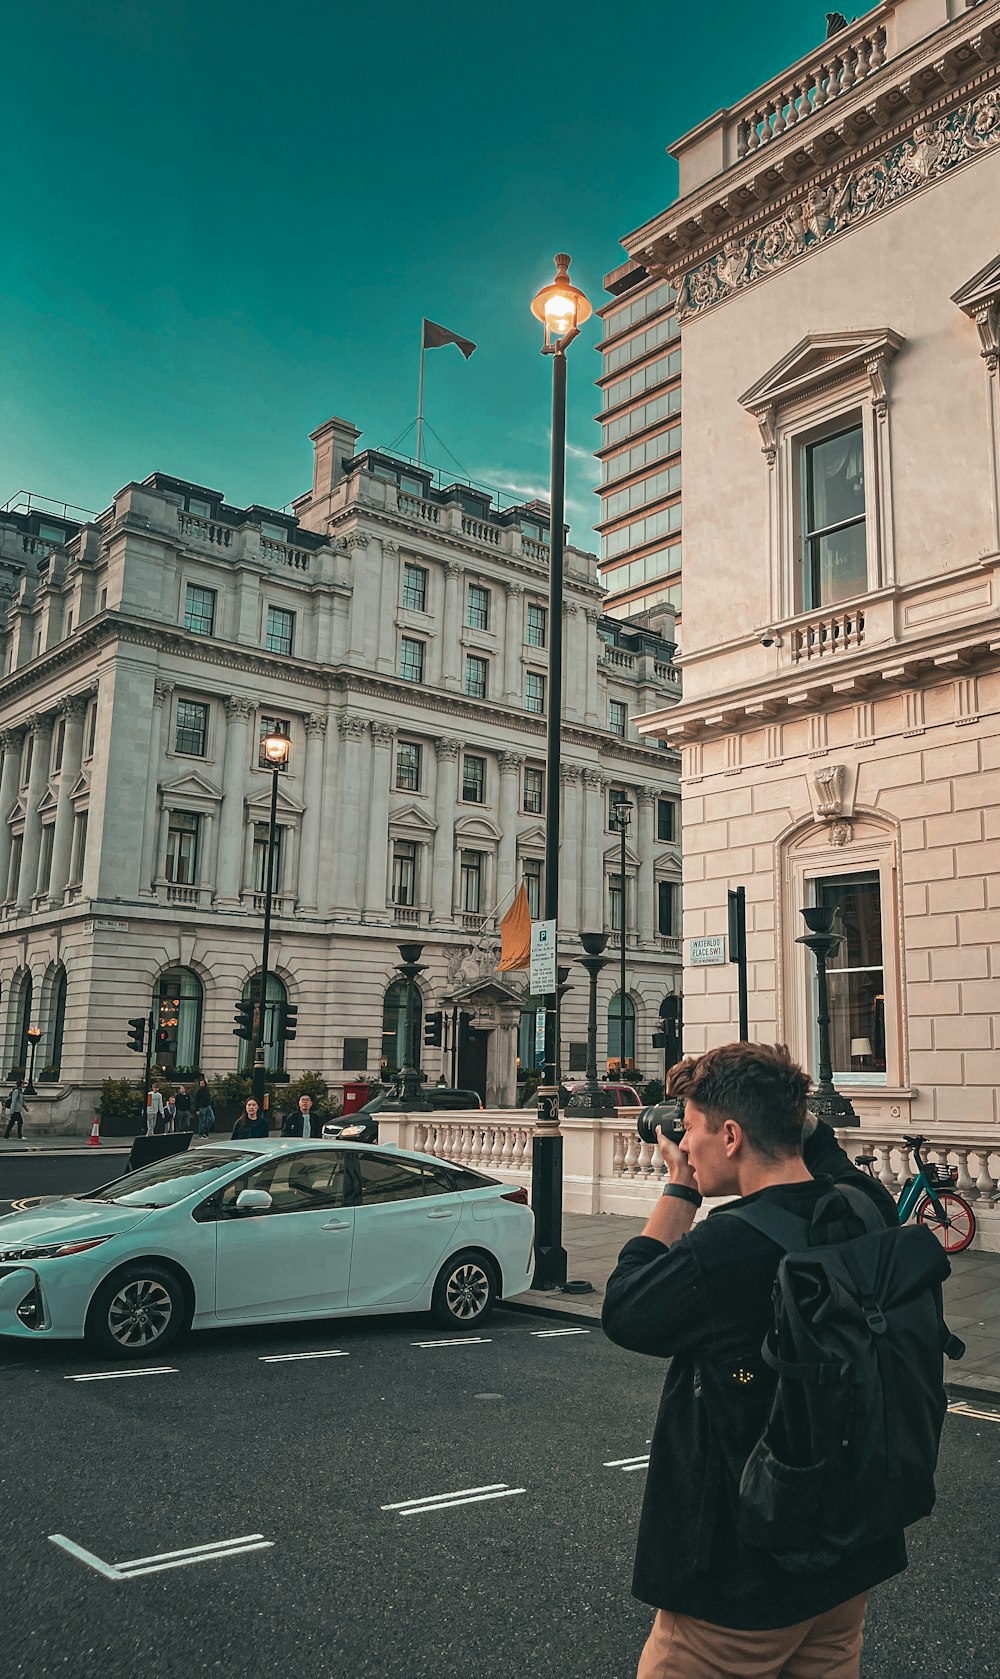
(617, 717)
(177, 1005)
(192, 728)
(182, 847)
(666, 919)
(45, 857)
(79, 856)
(27, 754)
(615, 1029)
(394, 1029)
(280, 631)
(415, 588)
(531, 868)
(534, 791)
(475, 677)
(91, 730)
(57, 1020)
(615, 902)
(534, 691)
(665, 819)
(473, 779)
(408, 766)
(411, 659)
(274, 1043)
(404, 873)
(271, 726)
(835, 564)
(23, 1020)
(478, 607)
(472, 881)
(536, 625)
(14, 871)
(199, 610)
(856, 975)
(58, 741)
(258, 861)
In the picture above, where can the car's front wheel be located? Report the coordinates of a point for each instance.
(465, 1292)
(139, 1311)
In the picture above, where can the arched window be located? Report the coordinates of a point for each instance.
(23, 1020)
(57, 1020)
(614, 1028)
(394, 1028)
(177, 1005)
(274, 1043)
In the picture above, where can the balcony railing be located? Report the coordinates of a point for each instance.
(849, 57)
(482, 532)
(257, 900)
(279, 553)
(204, 530)
(183, 895)
(825, 637)
(414, 507)
(405, 915)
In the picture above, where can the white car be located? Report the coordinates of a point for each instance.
(260, 1232)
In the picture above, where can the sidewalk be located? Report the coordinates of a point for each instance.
(971, 1295)
(65, 1145)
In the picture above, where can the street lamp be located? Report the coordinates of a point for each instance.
(410, 1093)
(622, 815)
(592, 1100)
(825, 1102)
(275, 748)
(562, 308)
(33, 1034)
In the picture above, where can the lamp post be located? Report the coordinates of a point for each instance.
(562, 308)
(592, 1100)
(276, 749)
(33, 1034)
(622, 812)
(825, 1102)
(411, 1078)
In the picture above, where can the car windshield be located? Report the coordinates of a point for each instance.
(168, 1181)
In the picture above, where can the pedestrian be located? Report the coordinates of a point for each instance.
(182, 1103)
(251, 1123)
(702, 1298)
(204, 1109)
(154, 1111)
(15, 1109)
(299, 1123)
(170, 1113)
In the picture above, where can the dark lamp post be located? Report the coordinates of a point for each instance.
(622, 812)
(410, 1094)
(276, 749)
(33, 1035)
(592, 1101)
(562, 308)
(825, 1102)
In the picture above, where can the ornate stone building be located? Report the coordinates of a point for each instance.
(834, 252)
(397, 632)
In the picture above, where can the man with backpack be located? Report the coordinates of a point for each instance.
(776, 1497)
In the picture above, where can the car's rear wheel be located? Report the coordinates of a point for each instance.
(139, 1311)
(465, 1292)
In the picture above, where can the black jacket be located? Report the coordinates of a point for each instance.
(704, 1303)
(824, 1157)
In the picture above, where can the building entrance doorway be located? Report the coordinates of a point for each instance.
(472, 1062)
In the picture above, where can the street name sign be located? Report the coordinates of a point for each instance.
(706, 953)
(542, 976)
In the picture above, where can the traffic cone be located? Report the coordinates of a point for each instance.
(95, 1133)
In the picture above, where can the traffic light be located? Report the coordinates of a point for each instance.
(244, 1020)
(289, 1021)
(433, 1028)
(163, 1040)
(137, 1033)
(660, 1040)
(464, 1024)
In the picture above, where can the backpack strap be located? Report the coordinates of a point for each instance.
(787, 1230)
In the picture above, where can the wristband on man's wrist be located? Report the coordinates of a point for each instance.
(683, 1192)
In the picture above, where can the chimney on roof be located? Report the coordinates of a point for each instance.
(333, 443)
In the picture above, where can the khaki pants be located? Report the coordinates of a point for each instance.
(828, 1647)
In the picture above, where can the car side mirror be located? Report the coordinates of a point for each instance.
(253, 1201)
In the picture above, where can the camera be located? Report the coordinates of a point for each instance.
(669, 1116)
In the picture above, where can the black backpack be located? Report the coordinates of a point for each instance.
(848, 1451)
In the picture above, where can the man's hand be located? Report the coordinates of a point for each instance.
(676, 1163)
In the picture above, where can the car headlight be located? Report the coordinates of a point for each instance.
(52, 1250)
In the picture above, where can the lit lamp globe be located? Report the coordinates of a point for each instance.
(561, 307)
(275, 749)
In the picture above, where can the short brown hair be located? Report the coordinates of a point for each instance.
(757, 1085)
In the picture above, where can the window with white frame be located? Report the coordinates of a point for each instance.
(476, 670)
(473, 779)
(477, 614)
(199, 610)
(534, 691)
(666, 819)
(535, 630)
(182, 847)
(411, 659)
(280, 631)
(258, 858)
(534, 791)
(404, 873)
(408, 766)
(191, 731)
(666, 908)
(856, 974)
(617, 717)
(414, 588)
(834, 547)
(472, 881)
(531, 869)
(615, 902)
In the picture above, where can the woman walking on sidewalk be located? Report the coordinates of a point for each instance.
(15, 1110)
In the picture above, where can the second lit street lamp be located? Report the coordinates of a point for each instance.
(562, 309)
(275, 748)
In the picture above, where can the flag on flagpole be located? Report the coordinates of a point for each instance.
(515, 934)
(435, 335)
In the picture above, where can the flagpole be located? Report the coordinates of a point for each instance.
(420, 398)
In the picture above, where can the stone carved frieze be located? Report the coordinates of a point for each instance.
(351, 728)
(446, 746)
(239, 709)
(314, 723)
(879, 182)
(383, 734)
(829, 782)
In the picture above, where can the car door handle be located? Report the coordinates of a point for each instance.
(336, 1224)
(441, 1214)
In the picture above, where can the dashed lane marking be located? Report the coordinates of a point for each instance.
(547, 1334)
(159, 1562)
(449, 1500)
(628, 1464)
(458, 1341)
(290, 1358)
(120, 1375)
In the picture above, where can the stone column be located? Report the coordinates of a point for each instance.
(161, 698)
(511, 766)
(575, 689)
(232, 817)
(451, 637)
(569, 850)
(592, 648)
(312, 815)
(356, 544)
(388, 597)
(11, 741)
(328, 823)
(446, 799)
(74, 710)
(350, 790)
(513, 643)
(644, 914)
(594, 784)
(376, 892)
(38, 780)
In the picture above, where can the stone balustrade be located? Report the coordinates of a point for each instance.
(847, 59)
(280, 553)
(827, 635)
(480, 531)
(414, 507)
(206, 532)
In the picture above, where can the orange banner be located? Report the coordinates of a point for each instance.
(515, 934)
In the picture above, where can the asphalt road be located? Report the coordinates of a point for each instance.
(24, 1176)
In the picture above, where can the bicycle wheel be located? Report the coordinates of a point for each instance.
(956, 1235)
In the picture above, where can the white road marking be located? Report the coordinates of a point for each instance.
(960, 1409)
(87, 1557)
(626, 1464)
(481, 1498)
(434, 1498)
(119, 1375)
(289, 1358)
(157, 1563)
(464, 1341)
(449, 1500)
(545, 1334)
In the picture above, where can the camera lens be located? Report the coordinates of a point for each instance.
(669, 1116)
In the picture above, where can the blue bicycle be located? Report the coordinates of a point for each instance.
(937, 1203)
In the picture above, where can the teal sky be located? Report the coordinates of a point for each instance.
(224, 222)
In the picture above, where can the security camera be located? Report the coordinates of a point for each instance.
(770, 638)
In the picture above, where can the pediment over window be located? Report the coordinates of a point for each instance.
(531, 838)
(412, 818)
(259, 804)
(979, 298)
(613, 857)
(824, 358)
(47, 804)
(477, 827)
(191, 785)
